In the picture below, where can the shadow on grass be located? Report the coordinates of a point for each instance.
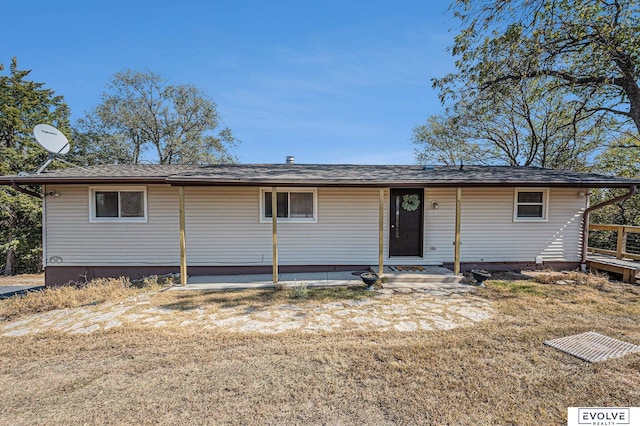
(509, 276)
(262, 297)
(516, 288)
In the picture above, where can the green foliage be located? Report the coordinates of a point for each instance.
(93, 144)
(21, 221)
(522, 126)
(446, 140)
(548, 83)
(621, 159)
(140, 112)
(23, 104)
(589, 49)
(301, 291)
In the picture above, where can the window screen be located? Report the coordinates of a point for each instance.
(530, 205)
(118, 204)
(132, 204)
(301, 204)
(291, 205)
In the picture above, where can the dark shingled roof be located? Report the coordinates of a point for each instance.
(323, 175)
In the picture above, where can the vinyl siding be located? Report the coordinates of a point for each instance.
(439, 225)
(489, 233)
(77, 242)
(223, 228)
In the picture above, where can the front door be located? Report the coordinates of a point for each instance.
(406, 219)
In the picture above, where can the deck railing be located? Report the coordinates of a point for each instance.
(615, 240)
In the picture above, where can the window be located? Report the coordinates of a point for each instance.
(293, 205)
(114, 204)
(530, 205)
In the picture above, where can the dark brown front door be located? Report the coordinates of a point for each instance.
(406, 219)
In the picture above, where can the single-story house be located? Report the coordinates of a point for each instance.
(138, 220)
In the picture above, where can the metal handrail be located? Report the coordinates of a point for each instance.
(622, 232)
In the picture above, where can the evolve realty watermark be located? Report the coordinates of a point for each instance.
(603, 416)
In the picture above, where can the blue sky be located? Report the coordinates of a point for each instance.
(325, 81)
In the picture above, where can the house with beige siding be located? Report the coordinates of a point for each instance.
(139, 220)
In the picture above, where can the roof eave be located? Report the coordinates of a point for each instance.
(393, 184)
(200, 181)
(45, 180)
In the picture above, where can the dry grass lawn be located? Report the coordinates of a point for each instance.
(496, 372)
(23, 279)
(70, 296)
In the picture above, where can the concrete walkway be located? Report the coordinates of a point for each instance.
(313, 279)
(12, 290)
(236, 282)
(387, 310)
(398, 306)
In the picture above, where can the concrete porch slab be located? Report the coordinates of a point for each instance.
(237, 282)
(420, 274)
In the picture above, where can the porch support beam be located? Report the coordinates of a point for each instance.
(274, 231)
(456, 243)
(183, 241)
(381, 233)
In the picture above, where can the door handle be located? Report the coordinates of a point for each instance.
(397, 225)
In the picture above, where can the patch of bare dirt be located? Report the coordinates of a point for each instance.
(23, 279)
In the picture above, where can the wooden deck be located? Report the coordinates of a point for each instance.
(628, 268)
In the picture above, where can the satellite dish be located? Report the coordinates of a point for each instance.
(51, 139)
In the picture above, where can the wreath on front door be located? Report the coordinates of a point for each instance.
(410, 202)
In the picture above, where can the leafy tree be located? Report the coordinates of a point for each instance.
(587, 48)
(93, 144)
(140, 111)
(23, 104)
(445, 139)
(521, 126)
(617, 161)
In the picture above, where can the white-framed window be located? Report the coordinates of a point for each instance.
(294, 205)
(531, 205)
(118, 204)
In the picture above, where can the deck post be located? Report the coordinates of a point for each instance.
(381, 233)
(274, 231)
(621, 244)
(183, 241)
(456, 243)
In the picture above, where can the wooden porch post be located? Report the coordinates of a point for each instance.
(381, 234)
(621, 245)
(183, 241)
(274, 229)
(456, 243)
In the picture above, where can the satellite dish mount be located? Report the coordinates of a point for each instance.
(53, 141)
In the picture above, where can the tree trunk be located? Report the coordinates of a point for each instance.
(634, 110)
(11, 259)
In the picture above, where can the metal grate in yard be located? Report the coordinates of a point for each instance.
(416, 268)
(593, 347)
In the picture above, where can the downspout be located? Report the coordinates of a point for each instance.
(25, 190)
(585, 221)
